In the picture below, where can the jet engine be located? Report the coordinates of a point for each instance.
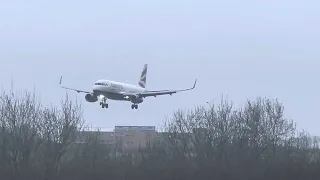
(91, 98)
(136, 99)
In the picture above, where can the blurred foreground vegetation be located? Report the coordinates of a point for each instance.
(218, 142)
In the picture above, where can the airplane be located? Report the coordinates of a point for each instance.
(107, 89)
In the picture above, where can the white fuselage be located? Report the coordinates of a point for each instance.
(113, 89)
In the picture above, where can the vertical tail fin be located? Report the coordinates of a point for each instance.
(143, 78)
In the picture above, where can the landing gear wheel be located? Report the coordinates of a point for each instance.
(104, 105)
(134, 106)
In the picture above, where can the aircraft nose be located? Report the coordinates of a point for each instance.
(95, 87)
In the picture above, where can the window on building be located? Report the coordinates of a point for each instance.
(129, 142)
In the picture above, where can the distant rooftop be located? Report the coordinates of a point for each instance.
(123, 128)
(135, 128)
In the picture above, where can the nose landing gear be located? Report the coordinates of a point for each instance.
(104, 103)
(134, 106)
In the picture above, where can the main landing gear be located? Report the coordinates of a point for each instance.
(134, 106)
(104, 103)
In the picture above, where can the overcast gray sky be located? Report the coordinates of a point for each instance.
(242, 49)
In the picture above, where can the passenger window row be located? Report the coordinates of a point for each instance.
(103, 84)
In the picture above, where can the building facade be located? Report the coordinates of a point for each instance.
(123, 138)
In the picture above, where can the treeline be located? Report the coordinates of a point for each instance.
(219, 141)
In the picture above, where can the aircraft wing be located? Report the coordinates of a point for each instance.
(164, 92)
(72, 88)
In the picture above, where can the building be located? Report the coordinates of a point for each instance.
(123, 138)
(130, 138)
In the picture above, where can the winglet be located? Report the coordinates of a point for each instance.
(60, 80)
(195, 83)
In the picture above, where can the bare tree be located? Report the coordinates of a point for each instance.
(217, 141)
(253, 137)
(19, 124)
(59, 130)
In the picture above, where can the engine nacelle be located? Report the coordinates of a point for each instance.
(91, 98)
(136, 99)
